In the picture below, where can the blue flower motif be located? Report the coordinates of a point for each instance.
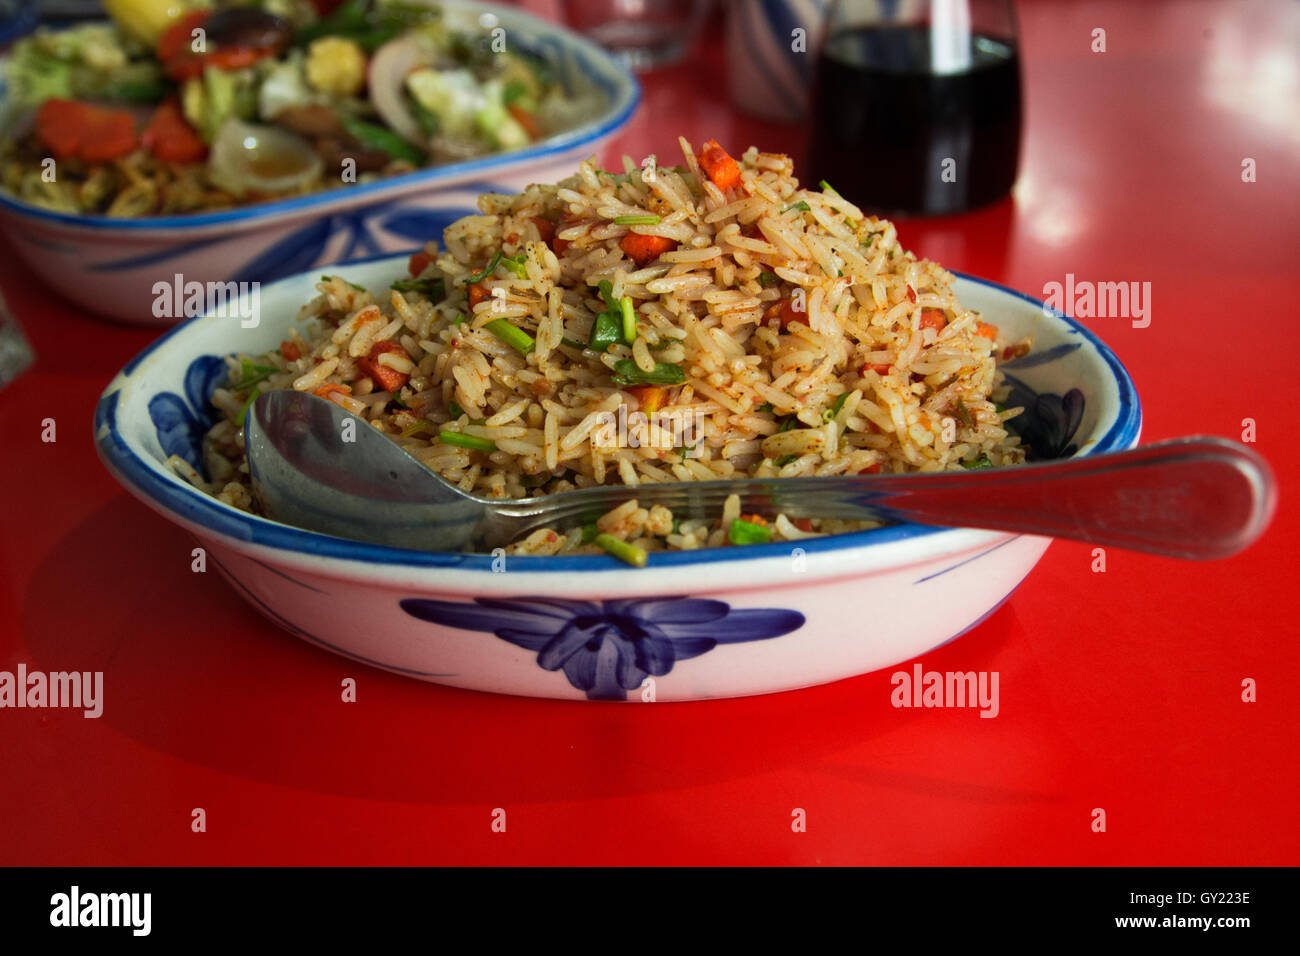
(607, 648)
(181, 423)
(1048, 422)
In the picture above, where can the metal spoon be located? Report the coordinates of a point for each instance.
(316, 466)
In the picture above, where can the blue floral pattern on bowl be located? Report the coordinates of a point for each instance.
(181, 423)
(607, 648)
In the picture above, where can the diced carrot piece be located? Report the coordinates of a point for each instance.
(329, 388)
(74, 130)
(911, 294)
(881, 369)
(933, 319)
(289, 351)
(803, 524)
(871, 469)
(755, 519)
(418, 262)
(646, 249)
(719, 166)
(785, 312)
(477, 293)
(1015, 351)
(649, 397)
(527, 120)
(545, 228)
(388, 379)
(170, 138)
(987, 331)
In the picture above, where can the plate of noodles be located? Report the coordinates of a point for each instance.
(236, 143)
(685, 318)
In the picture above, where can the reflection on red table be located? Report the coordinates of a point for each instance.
(1119, 690)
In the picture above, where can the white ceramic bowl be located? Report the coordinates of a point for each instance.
(713, 623)
(110, 266)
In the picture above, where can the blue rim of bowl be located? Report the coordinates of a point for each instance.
(193, 505)
(467, 171)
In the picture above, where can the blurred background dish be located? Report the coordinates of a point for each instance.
(115, 262)
(644, 34)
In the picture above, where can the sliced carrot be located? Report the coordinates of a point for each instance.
(526, 119)
(545, 228)
(181, 61)
(785, 312)
(649, 397)
(170, 138)
(719, 166)
(881, 369)
(74, 130)
(646, 249)
(477, 293)
(389, 379)
(987, 331)
(329, 388)
(418, 262)
(933, 319)
(290, 351)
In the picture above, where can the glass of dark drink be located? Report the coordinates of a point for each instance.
(916, 108)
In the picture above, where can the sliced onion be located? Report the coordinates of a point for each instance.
(247, 158)
(388, 69)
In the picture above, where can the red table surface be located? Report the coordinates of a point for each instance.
(1120, 690)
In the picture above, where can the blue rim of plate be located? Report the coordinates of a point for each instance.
(193, 505)
(464, 172)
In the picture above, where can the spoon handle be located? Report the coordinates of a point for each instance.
(1195, 498)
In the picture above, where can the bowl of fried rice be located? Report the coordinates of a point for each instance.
(126, 174)
(681, 319)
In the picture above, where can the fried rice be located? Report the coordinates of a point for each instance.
(792, 331)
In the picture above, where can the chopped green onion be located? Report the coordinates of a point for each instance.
(382, 139)
(466, 441)
(768, 279)
(514, 90)
(455, 409)
(251, 374)
(828, 188)
(800, 205)
(516, 338)
(571, 343)
(746, 532)
(964, 415)
(606, 289)
(629, 319)
(830, 413)
(677, 525)
(460, 317)
(789, 422)
(433, 287)
(981, 462)
(765, 407)
(622, 550)
(423, 425)
(637, 220)
(627, 372)
(785, 460)
(490, 268)
(607, 330)
(516, 264)
(396, 399)
(589, 532)
(243, 412)
(359, 288)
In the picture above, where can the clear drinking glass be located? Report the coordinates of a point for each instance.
(645, 34)
(916, 108)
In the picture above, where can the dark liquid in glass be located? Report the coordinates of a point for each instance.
(885, 122)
